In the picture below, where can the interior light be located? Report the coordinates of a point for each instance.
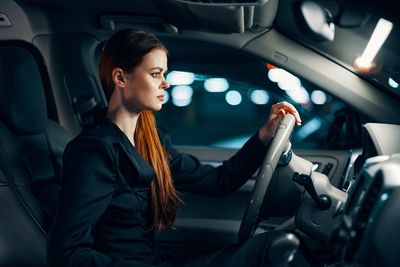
(393, 83)
(378, 37)
(214, 85)
(233, 98)
(180, 78)
(182, 95)
(318, 97)
(259, 97)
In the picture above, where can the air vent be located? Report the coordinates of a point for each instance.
(225, 2)
(369, 202)
(364, 214)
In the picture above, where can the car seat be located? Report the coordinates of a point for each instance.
(31, 148)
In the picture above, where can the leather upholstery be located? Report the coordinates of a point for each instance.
(22, 106)
(22, 242)
(30, 166)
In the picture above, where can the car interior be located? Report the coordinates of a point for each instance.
(330, 185)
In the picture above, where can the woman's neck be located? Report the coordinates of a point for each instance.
(125, 120)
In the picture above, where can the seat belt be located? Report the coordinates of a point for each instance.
(30, 203)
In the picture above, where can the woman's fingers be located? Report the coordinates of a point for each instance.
(284, 107)
(277, 116)
(277, 112)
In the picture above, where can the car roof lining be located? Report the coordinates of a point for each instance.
(189, 16)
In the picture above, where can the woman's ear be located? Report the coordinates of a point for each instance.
(118, 77)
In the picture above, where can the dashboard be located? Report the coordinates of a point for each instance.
(367, 233)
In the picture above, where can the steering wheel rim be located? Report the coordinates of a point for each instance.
(275, 149)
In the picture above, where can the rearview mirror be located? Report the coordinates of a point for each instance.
(315, 21)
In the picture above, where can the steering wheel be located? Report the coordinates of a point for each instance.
(275, 149)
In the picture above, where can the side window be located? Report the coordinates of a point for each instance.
(205, 110)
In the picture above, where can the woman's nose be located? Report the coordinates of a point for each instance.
(165, 84)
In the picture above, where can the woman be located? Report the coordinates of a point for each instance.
(121, 175)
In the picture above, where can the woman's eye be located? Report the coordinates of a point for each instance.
(155, 75)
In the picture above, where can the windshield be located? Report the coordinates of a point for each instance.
(206, 110)
(350, 43)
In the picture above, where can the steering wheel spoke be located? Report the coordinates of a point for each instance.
(276, 148)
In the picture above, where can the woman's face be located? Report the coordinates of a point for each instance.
(145, 86)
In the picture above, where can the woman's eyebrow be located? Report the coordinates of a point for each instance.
(157, 68)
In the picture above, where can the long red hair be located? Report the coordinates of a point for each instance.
(126, 49)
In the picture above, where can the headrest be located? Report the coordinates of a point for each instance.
(22, 98)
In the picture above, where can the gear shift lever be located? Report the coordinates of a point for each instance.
(323, 201)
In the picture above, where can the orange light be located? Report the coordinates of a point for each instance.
(363, 66)
(270, 66)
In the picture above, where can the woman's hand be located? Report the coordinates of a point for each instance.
(278, 111)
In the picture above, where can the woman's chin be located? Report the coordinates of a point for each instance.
(155, 107)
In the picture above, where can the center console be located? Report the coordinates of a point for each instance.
(368, 234)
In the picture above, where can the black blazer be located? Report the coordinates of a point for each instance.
(103, 213)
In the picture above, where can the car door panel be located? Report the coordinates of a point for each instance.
(208, 222)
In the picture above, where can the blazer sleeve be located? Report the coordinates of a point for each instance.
(190, 174)
(88, 184)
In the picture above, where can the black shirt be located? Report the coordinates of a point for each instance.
(103, 214)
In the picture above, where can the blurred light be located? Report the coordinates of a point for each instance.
(393, 83)
(233, 98)
(384, 196)
(285, 80)
(214, 85)
(181, 102)
(300, 96)
(259, 97)
(378, 37)
(200, 77)
(308, 128)
(363, 66)
(290, 83)
(318, 97)
(277, 75)
(166, 97)
(180, 78)
(182, 95)
(182, 92)
(234, 142)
